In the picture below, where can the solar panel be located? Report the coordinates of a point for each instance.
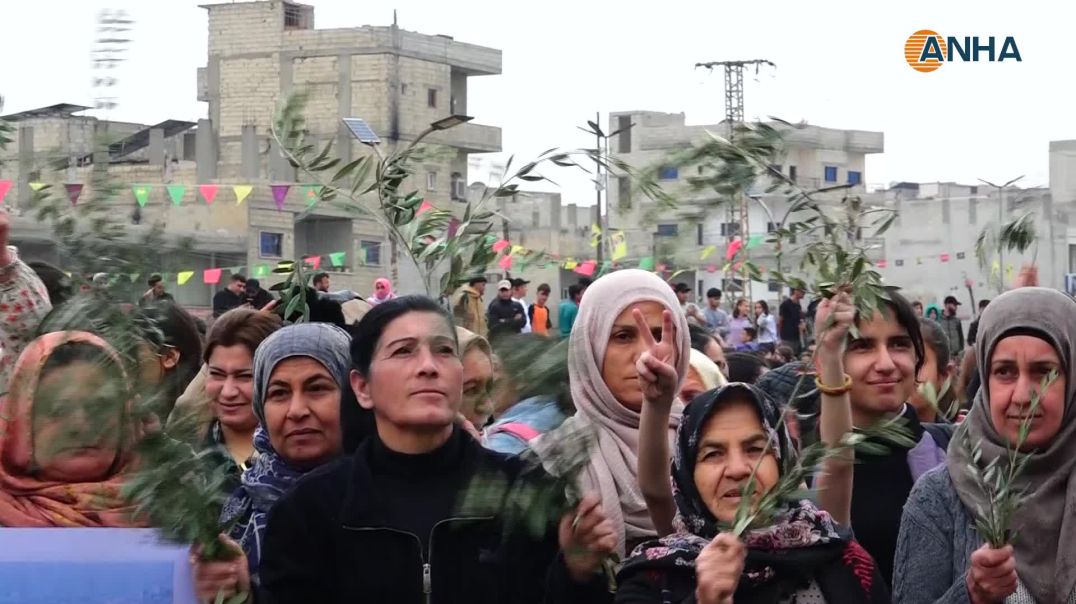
(361, 130)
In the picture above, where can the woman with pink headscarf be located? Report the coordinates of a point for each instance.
(382, 292)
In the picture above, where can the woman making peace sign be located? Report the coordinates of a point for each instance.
(615, 363)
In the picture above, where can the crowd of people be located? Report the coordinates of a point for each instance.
(351, 439)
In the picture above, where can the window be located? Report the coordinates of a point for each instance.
(945, 211)
(293, 17)
(792, 173)
(773, 286)
(700, 170)
(771, 227)
(431, 97)
(973, 211)
(536, 219)
(371, 252)
(730, 229)
(831, 173)
(431, 181)
(459, 188)
(668, 173)
(668, 230)
(403, 88)
(974, 189)
(623, 139)
(271, 245)
(698, 234)
(854, 178)
(623, 192)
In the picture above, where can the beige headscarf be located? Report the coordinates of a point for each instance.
(469, 340)
(613, 468)
(708, 371)
(1047, 520)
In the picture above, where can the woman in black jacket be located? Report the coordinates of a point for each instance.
(383, 525)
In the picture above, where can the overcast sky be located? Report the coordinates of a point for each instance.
(839, 64)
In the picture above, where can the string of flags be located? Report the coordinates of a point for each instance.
(213, 276)
(177, 193)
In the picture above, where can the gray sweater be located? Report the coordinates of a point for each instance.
(937, 539)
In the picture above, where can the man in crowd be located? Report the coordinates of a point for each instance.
(256, 296)
(917, 306)
(683, 294)
(519, 294)
(569, 309)
(506, 316)
(717, 320)
(467, 306)
(790, 321)
(973, 329)
(538, 313)
(232, 296)
(951, 326)
(321, 282)
(156, 292)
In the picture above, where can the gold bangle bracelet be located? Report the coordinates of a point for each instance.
(834, 391)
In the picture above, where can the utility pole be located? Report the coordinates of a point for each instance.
(599, 185)
(1001, 219)
(734, 116)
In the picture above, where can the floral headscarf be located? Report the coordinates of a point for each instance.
(28, 501)
(781, 556)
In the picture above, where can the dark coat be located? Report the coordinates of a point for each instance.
(506, 317)
(327, 541)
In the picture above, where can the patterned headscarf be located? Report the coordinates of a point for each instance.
(802, 537)
(270, 475)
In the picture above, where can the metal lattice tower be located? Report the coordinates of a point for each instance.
(737, 213)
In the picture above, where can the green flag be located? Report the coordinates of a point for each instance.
(337, 258)
(141, 193)
(176, 193)
(647, 263)
(755, 241)
(311, 193)
(261, 270)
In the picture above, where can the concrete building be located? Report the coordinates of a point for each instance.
(259, 53)
(814, 157)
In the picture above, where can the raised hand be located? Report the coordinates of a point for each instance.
(718, 569)
(586, 537)
(832, 335)
(656, 366)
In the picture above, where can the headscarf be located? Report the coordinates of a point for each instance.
(1046, 520)
(375, 299)
(613, 468)
(270, 475)
(934, 307)
(470, 340)
(708, 371)
(780, 557)
(27, 501)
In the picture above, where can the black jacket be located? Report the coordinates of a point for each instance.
(226, 300)
(502, 317)
(331, 539)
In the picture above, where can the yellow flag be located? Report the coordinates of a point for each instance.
(241, 192)
(708, 250)
(37, 185)
(995, 268)
(570, 265)
(184, 277)
(620, 251)
(595, 234)
(517, 249)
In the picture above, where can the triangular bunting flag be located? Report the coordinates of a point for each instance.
(605, 267)
(570, 265)
(733, 248)
(425, 207)
(314, 261)
(620, 251)
(241, 192)
(881, 264)
(73, 191)
(141, 193)
(517, 249)
(944, 257)
(183, 277)
(500, 245)
(711, 268)
(587, 268)
(211, 276)
(5, 186)
(37, 186)
(311, 193)
(505, 262)
(755, 241)
(647, 263)
(176, 192)
(280, 193)
(707, 251)
(134, 277)
(337, 258)
(261, 270)
(209, 193)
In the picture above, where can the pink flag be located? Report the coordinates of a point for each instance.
(733, 248)
(881, 264)
(500, 245)
(211, 275)
(314, 261)
(280, 192)
(711, 269)
(209, 192)
(425, 207)
(73, 191)
(945, 257)
(587, 268)
(5, 186)
(505, 262)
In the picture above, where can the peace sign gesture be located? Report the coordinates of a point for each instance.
(656, 365)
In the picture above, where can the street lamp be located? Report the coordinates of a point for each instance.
(1001, 219)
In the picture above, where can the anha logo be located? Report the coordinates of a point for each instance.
(927, 50)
